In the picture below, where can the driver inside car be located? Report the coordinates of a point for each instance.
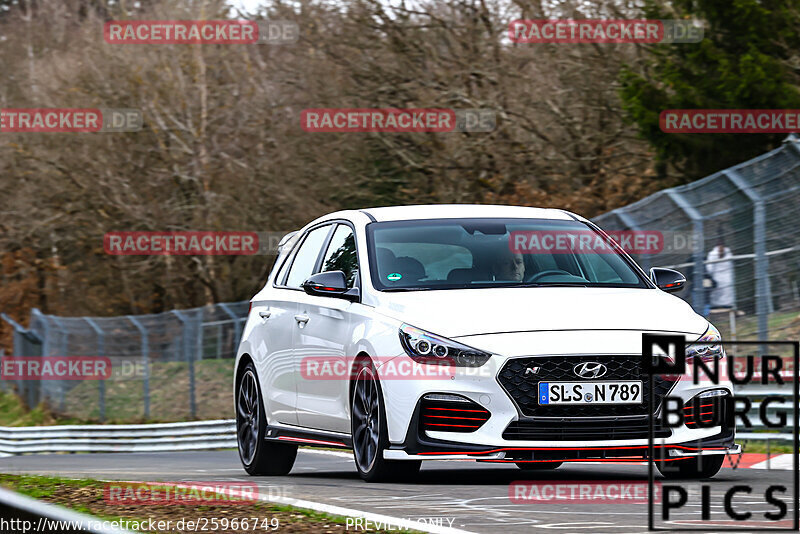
(508, 266)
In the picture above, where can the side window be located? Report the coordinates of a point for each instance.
(306, 257)
(341, 254)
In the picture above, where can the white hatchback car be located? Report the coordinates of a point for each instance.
(439, 332)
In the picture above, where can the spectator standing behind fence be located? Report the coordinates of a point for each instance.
(720, 267)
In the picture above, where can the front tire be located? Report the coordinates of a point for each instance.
(695, 468)
(369, 431)
(258, 456)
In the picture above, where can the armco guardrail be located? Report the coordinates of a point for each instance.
(221, 434)
(19, 513)
(191, 436)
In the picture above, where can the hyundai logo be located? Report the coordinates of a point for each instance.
(590, 370)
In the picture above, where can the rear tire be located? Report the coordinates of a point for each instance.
(694, 468)
(539, 466)
(369, 431)
(259, 457)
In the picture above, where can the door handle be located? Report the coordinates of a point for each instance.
(265, 314)
(302, 319)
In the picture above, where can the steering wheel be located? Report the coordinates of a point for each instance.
(549, 272)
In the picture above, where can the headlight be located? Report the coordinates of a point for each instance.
(429, 348)
(706, 352)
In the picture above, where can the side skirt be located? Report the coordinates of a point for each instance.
(310, 438)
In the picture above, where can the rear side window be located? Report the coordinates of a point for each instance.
(306, 258)
(341, 254)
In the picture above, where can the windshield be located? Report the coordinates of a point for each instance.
(472, 253)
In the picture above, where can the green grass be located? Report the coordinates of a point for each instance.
(65, 492)
(779, 325)
(775, 447)
(168, 393)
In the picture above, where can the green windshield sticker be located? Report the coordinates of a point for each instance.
(394, 277)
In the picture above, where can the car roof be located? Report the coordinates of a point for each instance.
(465, 211)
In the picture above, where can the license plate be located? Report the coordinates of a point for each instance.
(622, 392)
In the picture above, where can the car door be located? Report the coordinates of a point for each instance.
(274, 311)
(324, 335)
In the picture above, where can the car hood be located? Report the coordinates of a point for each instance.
(466, 312)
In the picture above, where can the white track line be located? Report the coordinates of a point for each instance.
(378, 521)
(340, 454)
(783, 461)
(386, 522)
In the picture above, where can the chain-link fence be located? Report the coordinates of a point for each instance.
(163, 367)
(732, 234)
(735, 236)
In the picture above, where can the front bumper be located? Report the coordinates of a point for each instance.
(489, 442)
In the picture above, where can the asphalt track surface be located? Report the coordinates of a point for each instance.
(475, 496)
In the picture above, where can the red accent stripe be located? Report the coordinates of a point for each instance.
(461, 426)
(454, 417)
(599, 460)
(599, 448)
(702, 406)
(455, 409)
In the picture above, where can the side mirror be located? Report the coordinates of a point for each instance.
(667, 279)
(330, 284)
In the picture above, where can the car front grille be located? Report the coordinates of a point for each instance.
(529, 430)
(524, 388)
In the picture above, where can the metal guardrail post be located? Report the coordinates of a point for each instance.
(698, 291)
(187, 353)
(760, 249)
(145, 361)
(101, 350)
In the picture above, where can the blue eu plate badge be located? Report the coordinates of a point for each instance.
(544, 393)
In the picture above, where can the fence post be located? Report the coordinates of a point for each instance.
(146, 361)
(237, 325)
(633, 225)
(760, 250)
(187, 353)
(24, 341)
(63, 350)
(101, 349)
(37, 388)
(698, 291)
